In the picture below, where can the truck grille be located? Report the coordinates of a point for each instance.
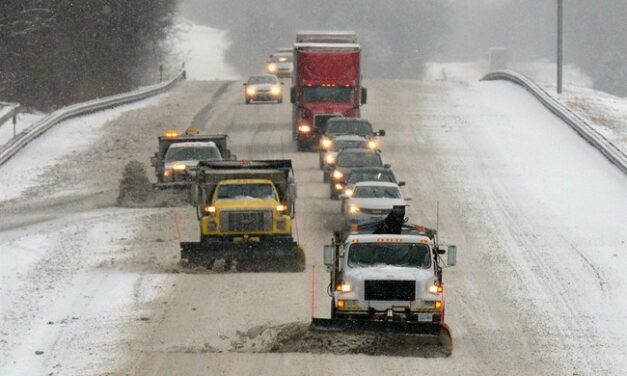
(320, 122)
(246, 221)
(390, 290)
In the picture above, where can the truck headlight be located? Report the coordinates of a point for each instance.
(211, 210)
(330, 159)
(436, 289)
(344, 287)
(251, 91)
(354, 209)
(339, 187)
(348, 192)
(337, 174)
(304, 128)
(275, 90)
(326, 143)
(179, 167)
(281, 208)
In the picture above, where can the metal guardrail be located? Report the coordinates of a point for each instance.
(580, 125)
(23, 138)
(13, 108)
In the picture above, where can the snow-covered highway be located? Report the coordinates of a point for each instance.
(538, 215)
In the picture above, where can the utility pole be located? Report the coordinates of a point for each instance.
(560, 43)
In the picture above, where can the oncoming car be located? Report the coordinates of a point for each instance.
(367, 201)
(266, 88)
(347, 160)
(280, 64)
(330, 147)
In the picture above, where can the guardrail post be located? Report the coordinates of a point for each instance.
(14, 122)
(160, 72)
(184, 72)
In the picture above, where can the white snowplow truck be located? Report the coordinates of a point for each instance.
(386, 277)
(178, 155)
(245, 210)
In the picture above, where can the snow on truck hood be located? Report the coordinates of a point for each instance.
(388, 272)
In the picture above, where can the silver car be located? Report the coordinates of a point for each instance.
(263, 88)
(280, 64)
(369, 200)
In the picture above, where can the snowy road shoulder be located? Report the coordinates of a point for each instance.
(65, 307)
(25, 169)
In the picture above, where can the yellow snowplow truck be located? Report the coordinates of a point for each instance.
(245, 210)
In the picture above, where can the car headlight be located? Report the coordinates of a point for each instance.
(330, 159)
(348, 192)
(326, 143)
(272, 68)
(251, 91)
(304, 128)
(354, 209)
(372, 144)
(339, 187)
(275, 90)
(167, 173)
(337, 174)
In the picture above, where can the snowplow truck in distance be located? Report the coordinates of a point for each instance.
(245, 211)
(386, 276)
(178, 155)
(326, 84)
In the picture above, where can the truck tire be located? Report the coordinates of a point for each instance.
(300, 146)
(325, 177)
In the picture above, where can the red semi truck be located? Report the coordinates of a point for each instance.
(326, 83)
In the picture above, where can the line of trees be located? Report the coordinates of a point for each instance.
(55, 52)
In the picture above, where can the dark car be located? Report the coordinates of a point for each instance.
(345, 125)
(348, 160)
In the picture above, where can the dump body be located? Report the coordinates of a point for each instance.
(326, 83)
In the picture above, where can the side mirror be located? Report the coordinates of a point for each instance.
(194, 195)
(293, 94)
(401, 183)
(328, 256)
(364, 95)
(153, 161)
(381, 133)
(387, 165)
(408, 198)
(245, 84)
(452, 255)
(232, 157)
(282, 83)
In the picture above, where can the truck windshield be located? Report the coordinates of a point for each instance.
(349, 127)
(357, 176)
(328, 94)
(192, 154)
(245, 192)
(359, 160)
(396, 254)
(376, 192)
